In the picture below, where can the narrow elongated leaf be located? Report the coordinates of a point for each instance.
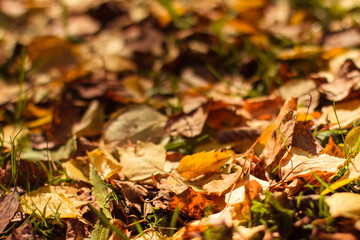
(100, 190)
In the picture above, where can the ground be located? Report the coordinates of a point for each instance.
(179, 119)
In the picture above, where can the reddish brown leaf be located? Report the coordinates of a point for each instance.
(224, 118)
(303, 138)
(133, 193)
(264, 107)
(65, 115)
(237, 134)
(8, 206)
(74, 230)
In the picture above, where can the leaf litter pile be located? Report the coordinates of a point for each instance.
(179, 119)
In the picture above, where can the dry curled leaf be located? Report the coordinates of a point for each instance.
(282, 135)
(298, 163)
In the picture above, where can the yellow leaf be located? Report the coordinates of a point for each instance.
(337, 185)
(202, 163)
(40, 121)
(51, 200)
(352, 139)
(77, 170)
(104, 163)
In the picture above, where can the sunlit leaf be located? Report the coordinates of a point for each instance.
(50, 200)
(104, 163)
(142, 160)
(197, 164)
(337, 185)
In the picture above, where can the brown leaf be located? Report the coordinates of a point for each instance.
(303, 138)
(51, 51)
(64, 116)
(282, 135)
(264, 107)
(237, 134)
(224, 118)
(74, 229)
(301, 89)
(354, 167)
(192, 100)
(8, 206)
(135, 122)
(142, 161)
(134, 194)
(219, 186)
(188, 125)
(25, 232)
(297, 163)
(345, 83)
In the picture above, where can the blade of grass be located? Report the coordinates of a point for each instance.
(173, 220)
(342, 135)
(322, 182)
(140, 230)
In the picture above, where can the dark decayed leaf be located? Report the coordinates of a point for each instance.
(25, 232)
(8, 206)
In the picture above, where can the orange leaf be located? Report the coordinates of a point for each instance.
(192, 203)
(333, 150)
(197, 164)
